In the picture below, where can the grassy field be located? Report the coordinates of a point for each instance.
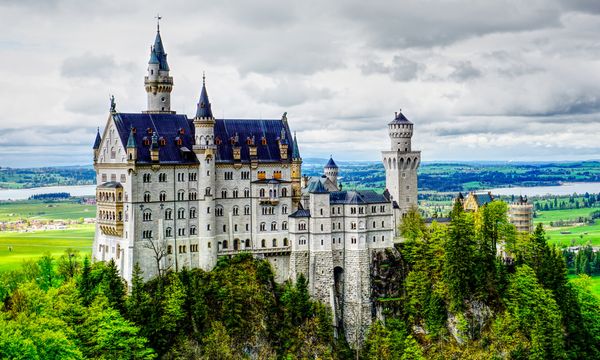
(33, 209)
(595, 283)
(569, 235)
(545, 217)
(34, 244)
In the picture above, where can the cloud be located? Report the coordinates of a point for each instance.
(92, 66)
(288, 93)
(401, 69)
(464, 71)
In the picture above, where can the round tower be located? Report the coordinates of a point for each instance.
(331, 171)
(401, 132)
(157, 82)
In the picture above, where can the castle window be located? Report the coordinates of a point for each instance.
(146, 178)
(322, 227)
(168, 214)
(247, 227)
(181, 232)
(225, 244)
(224, 194)
(284, 209)
(219, 211)
(193, 230)
(192, 195)
(262, 193)
(263, 140)
(261, 175)
(192, 176)
(224, 228)
(228, 175)
(149, 131)
(162, 177)
(113, 153)
(321, 242)
(285, 242)
(235, 227)
(273, 226)
(373, 238)
(207, 191)
(146, 141)
(353, 240)
(383, 224)
(284, 225)
(218, 141)
(192, 213)
(181, 213)
(147, 197)
(382, 208)
(284, 192)
(162, 196)
(352, 210)
(236, 210)
(274, 242)
(147, 215)
(208, 227)
(168, 232)
(180, 195)
(247, 245)
(181, 131)
(178, 141)
(182, 249)
(302, 226)
(162, 141)
(382, 238)
(321, 211)
(374, 225)
(263, 226)
(169, 249)
(247, 210)
(193, 248)
(353, 226)
(147, 234)
(361, 210)
(235, 193)
(302, 241)
(263, 243)
(245, 175)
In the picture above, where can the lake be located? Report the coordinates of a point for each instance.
(24, 194)
(564, 189)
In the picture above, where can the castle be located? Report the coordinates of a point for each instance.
(174, 192)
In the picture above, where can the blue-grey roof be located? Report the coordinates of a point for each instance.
(168, 126)
(111, 184)
(295, 150)
(98, 140)
(204, 110)
(227, 131)
(399, 118)
(357, 197)
(331, 164)
(483, 198)
(159, 51)
(153, 57)
(317, 187)
(300, 213)
(171, 127)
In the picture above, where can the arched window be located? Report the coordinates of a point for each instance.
(168, 232)
(224, 244)
(284, 192)
(180, 195)
(273, 226)
(219, 210)
(262, 193)
(162, 196)
(207, 191)
(285, 242)
(263, 226)
(302, 226)
(224, 193)
(236, 210)
(284, 209)
(192, 213)
(246, 192)
(193, 230)
(147, 215)
(146, 197)
(247, 245)
(168, 214)
(274, 242)
(247, 210)
(284, 225)
(263, 243)
(181, 213)
(192, 195)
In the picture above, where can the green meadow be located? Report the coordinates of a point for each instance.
(32, 245)
(35, 209)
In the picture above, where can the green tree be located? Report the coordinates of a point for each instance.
(113, 286)
(47, 275)
(69, 264)
(217, 344)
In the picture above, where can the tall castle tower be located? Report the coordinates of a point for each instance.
(204, 147)
(157, 82)
(401, 164)
(296, 175)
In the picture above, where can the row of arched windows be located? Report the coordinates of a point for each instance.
(110, 215)
(108, 196)
(263, 226)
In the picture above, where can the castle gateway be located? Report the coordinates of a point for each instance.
(175, 192)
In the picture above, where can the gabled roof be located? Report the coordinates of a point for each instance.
(331, 164)
(357, 197)
(98, 140)
(483, 198)
(228, 130)
(300, 213)
(317, 187)
(111, 184)
(169, 126)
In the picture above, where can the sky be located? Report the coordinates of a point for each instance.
(481, 80)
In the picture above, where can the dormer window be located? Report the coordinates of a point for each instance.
(181, 131)
(149, 131)
(248, 141)
(218, 141)
(133, 130)
(178, 141)
(162, 141)
(146, 141)
(264, 141)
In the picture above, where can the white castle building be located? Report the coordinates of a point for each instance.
(174, 193)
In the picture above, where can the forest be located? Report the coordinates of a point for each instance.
(446, 292)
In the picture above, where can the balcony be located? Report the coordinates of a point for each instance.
(268, 201)
(281, 250)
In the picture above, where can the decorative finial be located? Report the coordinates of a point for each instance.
(284, 116)
(158, 17)
(113, 104)
(203, 78)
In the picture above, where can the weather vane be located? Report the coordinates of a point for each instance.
(158, 17)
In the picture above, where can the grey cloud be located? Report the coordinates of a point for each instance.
(464, 71)
(289, 93)
(49, 136)
(401, 69)
(88, 66)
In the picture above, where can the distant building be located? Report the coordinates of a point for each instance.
(520, 214)
(474, 200)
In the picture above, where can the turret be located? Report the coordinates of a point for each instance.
(204, 122)
(157, 82)
(97, 145)
(296, 174)
(331, 171)
(400, 130)
(131, 147)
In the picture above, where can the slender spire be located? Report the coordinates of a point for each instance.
(331, 164)
(131, 144)
(158, 17)
(204, 109)
(158, 49)
(295, 151)
(98, 139)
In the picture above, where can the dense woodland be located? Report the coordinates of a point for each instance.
(445, 294)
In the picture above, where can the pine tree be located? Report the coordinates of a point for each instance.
(113, 286)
